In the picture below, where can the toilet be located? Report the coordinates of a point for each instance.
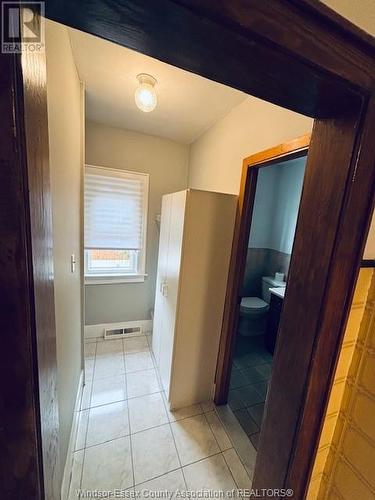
(253, 310)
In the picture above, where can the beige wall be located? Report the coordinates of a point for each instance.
(216, 157)
(167, 164)
(65, 125)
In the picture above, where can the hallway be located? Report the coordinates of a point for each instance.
(127, 438)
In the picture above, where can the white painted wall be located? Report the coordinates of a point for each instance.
(65, 123)
(167, 163)
(216, 157)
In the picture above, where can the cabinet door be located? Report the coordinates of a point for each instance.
(161, 276)
(171, 288)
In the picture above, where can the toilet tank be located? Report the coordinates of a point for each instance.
(267, 283)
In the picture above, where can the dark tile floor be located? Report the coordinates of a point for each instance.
(251, 371)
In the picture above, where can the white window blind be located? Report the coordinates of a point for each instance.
(115, 209)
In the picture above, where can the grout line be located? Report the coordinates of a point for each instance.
(130, 438)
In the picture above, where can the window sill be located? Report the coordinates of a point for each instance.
(112, 280)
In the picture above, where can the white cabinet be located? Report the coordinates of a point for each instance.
(196, 235)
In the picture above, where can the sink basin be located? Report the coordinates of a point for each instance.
(279, 291)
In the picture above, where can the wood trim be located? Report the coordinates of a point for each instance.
(281, 152)
(29, 417)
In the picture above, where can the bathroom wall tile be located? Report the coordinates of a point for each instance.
(147, 411)
(360, 453)
(349, 484)
(108, 466)
(154, 453)
(107, 422)
(194, 439)
(363, 411)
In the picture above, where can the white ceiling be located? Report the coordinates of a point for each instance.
(187, 104)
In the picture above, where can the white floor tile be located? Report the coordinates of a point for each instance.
(110, 365)
(108, 390)
(188, 411)
(138, 361)
(142, 383)
(75, 482)
(90, 349)
(154, 453)
(86, 395)
(209, 474)
(89, 368)
(136, 344)
(219, 431)
(171, 483)
(108, 466)
(208, 406)
(108, 347)
(194, 439)
(82, 429)
(107, 422)
(147, 411)
(238, 471)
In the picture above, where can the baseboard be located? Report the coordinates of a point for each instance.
(73, 434)
(97, 331)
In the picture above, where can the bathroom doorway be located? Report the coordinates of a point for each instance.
(270, 196)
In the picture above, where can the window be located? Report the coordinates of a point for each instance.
(115, 225)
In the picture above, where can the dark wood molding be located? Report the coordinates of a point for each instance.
(29, 417)
(250, 165)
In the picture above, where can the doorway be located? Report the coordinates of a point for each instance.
(272, 184)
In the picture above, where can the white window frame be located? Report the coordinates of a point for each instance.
(111, 278)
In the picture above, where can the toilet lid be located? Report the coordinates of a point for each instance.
(253, 303)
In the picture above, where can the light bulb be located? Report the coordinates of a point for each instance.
(145, 95)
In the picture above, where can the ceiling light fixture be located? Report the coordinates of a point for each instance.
(145, 95)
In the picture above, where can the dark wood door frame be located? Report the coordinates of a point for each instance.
(250, 168)
(277, 51)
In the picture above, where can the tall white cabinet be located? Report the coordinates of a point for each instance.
(196, 235)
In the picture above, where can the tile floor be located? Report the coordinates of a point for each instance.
(251, 371)
(128, 438)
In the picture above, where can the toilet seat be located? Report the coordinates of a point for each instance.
(253, 305)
